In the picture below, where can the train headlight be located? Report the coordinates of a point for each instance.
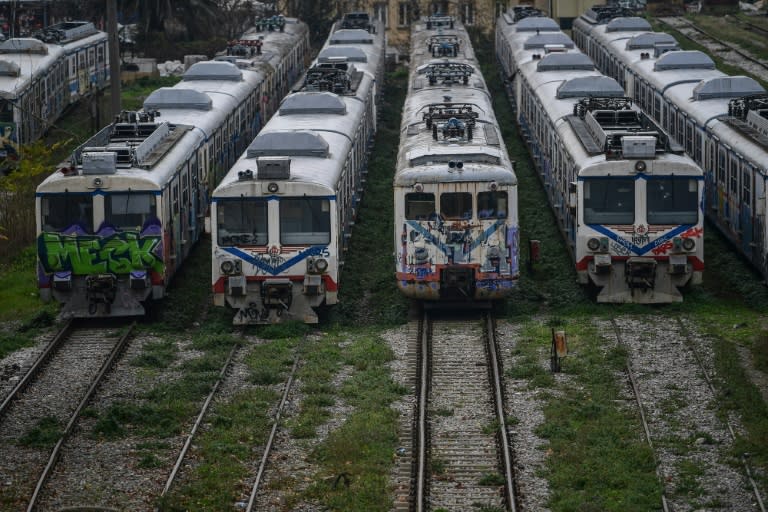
(677, 244)
(418, 187)
(273, 187)
(593, 244)
(640, 166)
(689, 244)
(317, 265)
(493, 185)
(230, 267)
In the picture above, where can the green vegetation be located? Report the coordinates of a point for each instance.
(45, 434)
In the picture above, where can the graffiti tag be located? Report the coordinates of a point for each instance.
(118, 253)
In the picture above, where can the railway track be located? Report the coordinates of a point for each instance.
(41, 411)
(676, 402)
(730, 53)
(461, 457)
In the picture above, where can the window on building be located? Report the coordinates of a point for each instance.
(467, 13)
(403, 14)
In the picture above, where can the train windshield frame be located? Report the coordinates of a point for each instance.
(242, 222)
(456, 205)
(305, 221)
(672, 200)
(61, 211)
(419, 205)
(492, 205)
(130, 211)
(609, 201)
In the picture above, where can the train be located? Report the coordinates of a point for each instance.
(282, 217)
(627, 199)
(118, 220)
(719, 119)
(456, 229)
(41, 76)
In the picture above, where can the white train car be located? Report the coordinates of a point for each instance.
(456, 232)
(628, 201)
(719, 119)
(117, 222)
(41, 76)
(282, 217)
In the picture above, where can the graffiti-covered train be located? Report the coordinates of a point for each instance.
(456, 233)
(282, 217)
(41, 76)
(117, 221)
(628, 201)
(720, 120)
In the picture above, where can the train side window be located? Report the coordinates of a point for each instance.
(241, 222)
(609, 201)
(419, 205)
(672, 201)
(492, 205)
(721, 164)
(62, 211)
(305, 221)
(130, 211)
(6, 111)
(456, 205)
(734, 175)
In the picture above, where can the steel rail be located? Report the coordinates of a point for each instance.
(636, 392)
(34, 371)
(196, 426)
(421, 418)
(692, 347)
(271, 440)
(505, 445)
(56, 453)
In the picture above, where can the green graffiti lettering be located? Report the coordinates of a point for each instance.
(119, 253)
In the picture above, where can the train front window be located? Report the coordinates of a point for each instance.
(672, 201)
(492, 205)
(60, 212)
(609, 201)
(419, 205)
(130, 211)
(241, 222)
(456, 205)
(305, 221)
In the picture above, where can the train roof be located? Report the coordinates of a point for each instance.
(20, 67)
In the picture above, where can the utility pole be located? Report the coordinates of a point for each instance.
(114, 59)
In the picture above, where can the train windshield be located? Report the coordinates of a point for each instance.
(673, 201)
(492, 205)
(304, 221)
(60, 212)
(241, 222)
(456, 205)
(130, 211)
(419, 205)
(609, 201)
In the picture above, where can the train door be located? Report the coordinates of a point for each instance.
(732, 209)
(197, 207)
(187, 234)
(745, 208)
(175, 220)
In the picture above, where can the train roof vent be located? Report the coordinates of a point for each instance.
(288, 144)
(24, 45)
(167, 98)
(273, 168)
(351, 53)
(565, 61)
(537, 24)
(649, 40)
(66, 32)
(213, 70)
(629, 24)
(661, 49)
(726, 87)
(99, 162)
(351, 36)
(9, 68)
(585, 86)
(684, 60)
(638, 146)
(542, 40)
(312, 103)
